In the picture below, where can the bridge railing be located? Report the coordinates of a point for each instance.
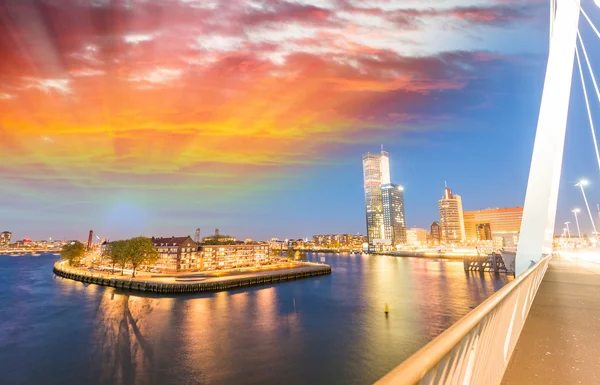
(476, 349)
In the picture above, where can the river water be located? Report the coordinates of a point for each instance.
(321, 330)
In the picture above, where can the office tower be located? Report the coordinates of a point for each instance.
(504, 223)
(451, 217)
(384, 201)
(376, 171)
(394, 226)
(436, 233)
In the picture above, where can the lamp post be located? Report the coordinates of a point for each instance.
(576, 211)
(568, 230)
(582, 183)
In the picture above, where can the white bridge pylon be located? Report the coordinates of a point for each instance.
(539, 211)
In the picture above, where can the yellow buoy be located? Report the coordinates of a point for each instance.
(387, 309)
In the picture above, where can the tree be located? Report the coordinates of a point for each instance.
(300, 255)
(275, 252)
(140, 250)
(117, 253)
(73, 251)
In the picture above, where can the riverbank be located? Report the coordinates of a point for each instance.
(172, 285)
(421, 254)
(17, 252)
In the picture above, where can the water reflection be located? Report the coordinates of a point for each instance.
(328, 329)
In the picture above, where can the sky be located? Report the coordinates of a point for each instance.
(159, 117)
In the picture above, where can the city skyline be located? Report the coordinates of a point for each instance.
(384, 202)
(146, 129)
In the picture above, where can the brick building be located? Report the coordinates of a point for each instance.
(176, 254)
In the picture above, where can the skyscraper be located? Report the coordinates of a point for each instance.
(394, 226)
(384, 202)
(372, 171)
(451, 217)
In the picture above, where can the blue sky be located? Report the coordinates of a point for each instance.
(252, 116)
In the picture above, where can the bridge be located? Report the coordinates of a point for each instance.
(544, 326)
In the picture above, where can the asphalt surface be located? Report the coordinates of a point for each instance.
(560, 342)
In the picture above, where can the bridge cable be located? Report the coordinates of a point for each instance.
(587, 102)
(589, 66)
(587, 18)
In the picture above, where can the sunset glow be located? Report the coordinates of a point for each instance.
(143, 109)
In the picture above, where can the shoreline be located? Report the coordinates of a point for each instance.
(201, 285)
(419, 254)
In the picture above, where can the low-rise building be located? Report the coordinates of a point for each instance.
(278, 245)
(5, 238)
(502, 225)
(219, 239)
(339, 241)
(436, 233)
(241, 254)
(176, 254)
(23, 243)
(416, 237)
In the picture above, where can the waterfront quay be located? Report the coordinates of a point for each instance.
(193, 283)
(422, 254)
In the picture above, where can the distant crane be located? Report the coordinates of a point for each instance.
(90, 238)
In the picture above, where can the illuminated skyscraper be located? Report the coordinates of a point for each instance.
(394, 226)
(373, 170)
(384, 202)
(451, 217)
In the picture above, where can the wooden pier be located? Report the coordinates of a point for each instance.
(492, 263)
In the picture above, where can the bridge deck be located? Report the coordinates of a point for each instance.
(560, 342)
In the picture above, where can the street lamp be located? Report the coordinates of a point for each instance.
(582, 183)
(576, 211)
(568, 230)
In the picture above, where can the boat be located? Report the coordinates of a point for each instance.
(35, 254)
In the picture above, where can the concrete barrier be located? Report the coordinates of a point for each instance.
(309, 270)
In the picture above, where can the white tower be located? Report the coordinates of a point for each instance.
(539, 212)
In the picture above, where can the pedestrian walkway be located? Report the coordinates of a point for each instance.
(560, 342)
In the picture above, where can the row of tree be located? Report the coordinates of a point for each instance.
(135, 252)
(73, 252)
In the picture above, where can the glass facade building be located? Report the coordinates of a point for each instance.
(384, 202)
(503, 224)
(394, 226)
(373, 178)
